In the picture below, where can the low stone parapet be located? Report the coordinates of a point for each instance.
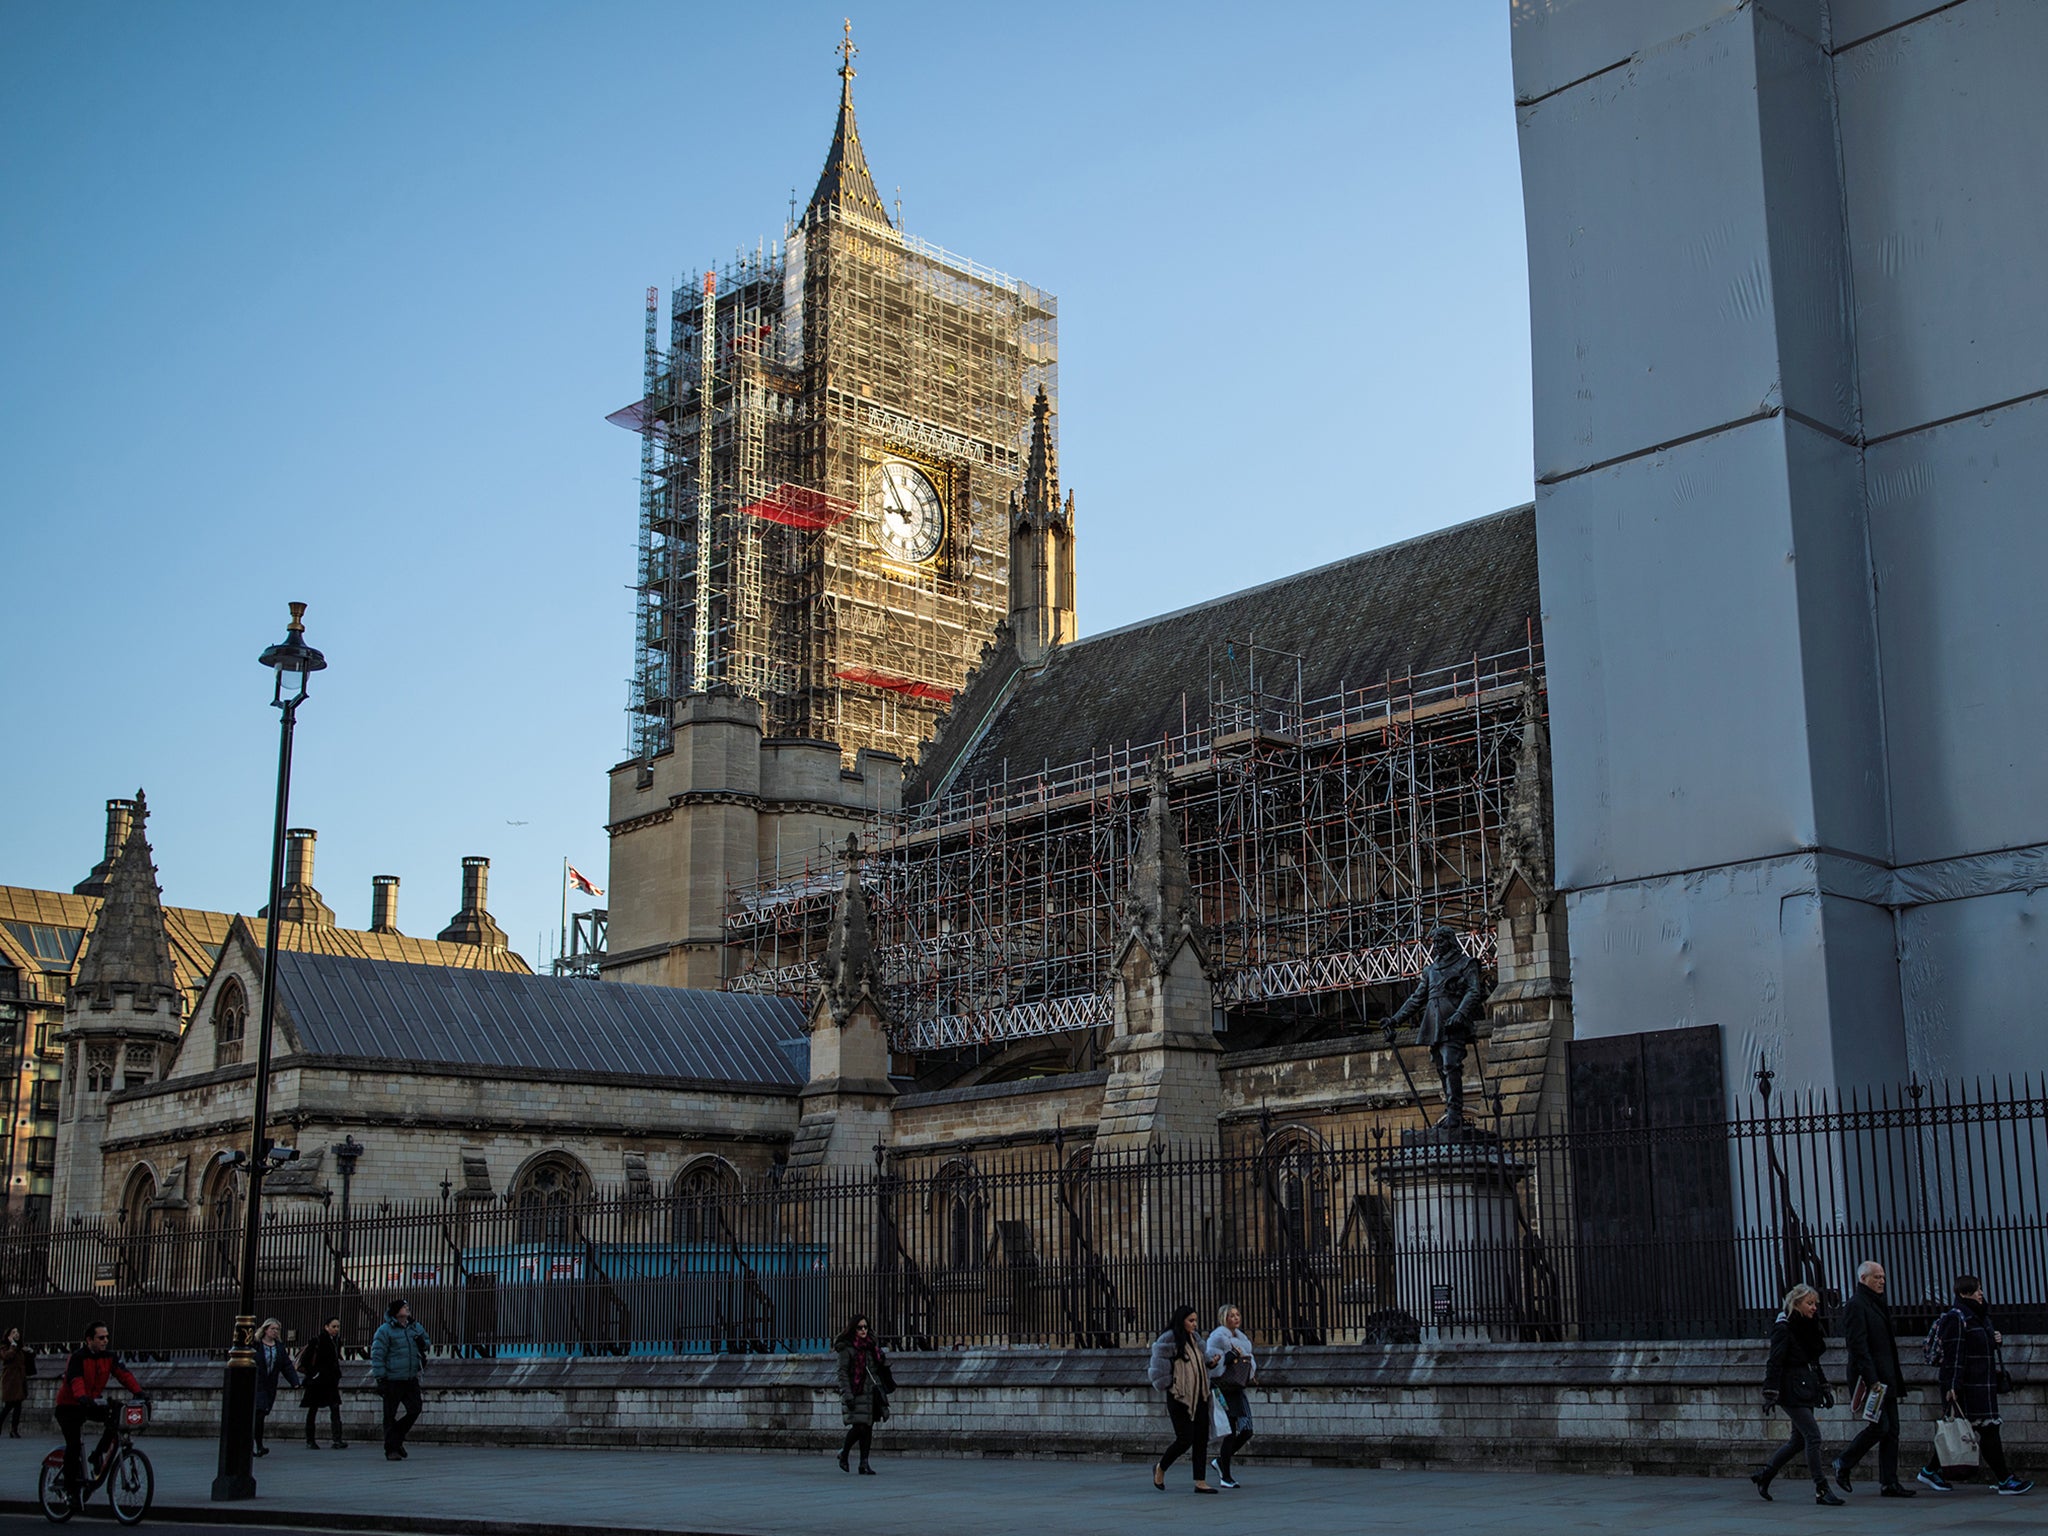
(1641, 1408)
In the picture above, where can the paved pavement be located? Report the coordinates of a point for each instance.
(621, 1493)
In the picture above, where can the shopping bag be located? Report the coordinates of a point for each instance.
(1219, 1417)
(1955, 1442)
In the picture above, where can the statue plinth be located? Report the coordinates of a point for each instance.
(1458, 1260)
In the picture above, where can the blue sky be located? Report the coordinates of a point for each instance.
(329, 303)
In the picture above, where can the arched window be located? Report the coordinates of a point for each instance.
(702, 1201)
(544, 1193)
(961, 1216)
(99, 1070)
(136, 1195)
(230, 1023)
(220, 1218)
(1297, 1180)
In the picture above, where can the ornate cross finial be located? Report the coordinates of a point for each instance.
(847, 53)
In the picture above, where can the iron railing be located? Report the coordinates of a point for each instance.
(1588, 1231)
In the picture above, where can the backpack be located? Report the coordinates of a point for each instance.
(1931, 1350)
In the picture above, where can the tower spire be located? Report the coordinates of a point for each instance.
(1042, 467)
(129, 949)
(846, 184)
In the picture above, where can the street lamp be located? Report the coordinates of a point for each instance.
(292, 662)
(346, 1152)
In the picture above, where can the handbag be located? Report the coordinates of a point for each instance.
(1237, 1370)
(1219, 1417)
(1955, 1442)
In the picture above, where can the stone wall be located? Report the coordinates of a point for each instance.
(1643, 1408)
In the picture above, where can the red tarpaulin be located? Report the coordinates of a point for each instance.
(895, 684)
(797, 506)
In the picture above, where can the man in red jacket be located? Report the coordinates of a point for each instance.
(82, 1395)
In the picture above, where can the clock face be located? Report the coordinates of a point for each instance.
(910, 520)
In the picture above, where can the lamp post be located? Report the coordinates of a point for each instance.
(346, 1151)
(291, 662)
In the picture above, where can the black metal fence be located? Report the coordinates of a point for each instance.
(1589, 1231)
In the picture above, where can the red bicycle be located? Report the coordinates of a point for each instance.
(129, 1478)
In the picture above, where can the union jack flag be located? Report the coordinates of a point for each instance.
(583, 882)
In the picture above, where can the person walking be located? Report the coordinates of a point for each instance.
(17, 1364)
(1179, 1367)
(865, 1382)
(398, 1354)
(272, 1361)
(320, 1365)
(1874, 1363)
(1794, 1381)
(1968, 1376)
(1232, 1368)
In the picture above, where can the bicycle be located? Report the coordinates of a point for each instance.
(129, 1478)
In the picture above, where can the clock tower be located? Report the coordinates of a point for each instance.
(838, 434)
(834, 430)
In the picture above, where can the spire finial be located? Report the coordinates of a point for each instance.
(847, 53)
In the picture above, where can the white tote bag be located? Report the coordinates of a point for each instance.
(1219, 1417)
(1955, 1442)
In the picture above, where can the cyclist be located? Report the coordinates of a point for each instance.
(82, 1395)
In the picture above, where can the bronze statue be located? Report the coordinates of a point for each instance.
(1449, 998)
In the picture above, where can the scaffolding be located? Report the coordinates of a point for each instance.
(1324, 837)
(788, 378)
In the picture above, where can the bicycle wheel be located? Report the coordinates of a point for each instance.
(51, 1493)
(131, 1485)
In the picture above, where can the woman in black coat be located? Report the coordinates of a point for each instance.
(1968, 1375)
(320, 1364)
(1793, 1381)
(865, 1382)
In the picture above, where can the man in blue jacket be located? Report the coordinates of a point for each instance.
(398, 1353)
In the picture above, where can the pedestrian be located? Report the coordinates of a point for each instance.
(865, 1382)
(1179, 1367)
(82, 1397)
(272, 1361)
(1794, 1381)
(320, 1365)
(17, 1364)
(1873, 1364)
(1969, 1379)
(398, 1354)
(1232, 1368)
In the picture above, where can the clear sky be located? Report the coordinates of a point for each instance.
(329, 303)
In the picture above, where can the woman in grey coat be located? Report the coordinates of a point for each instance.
(1232, 1368)
(1179, 1368)
(272, 1361)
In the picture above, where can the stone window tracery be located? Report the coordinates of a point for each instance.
(230, 1023)
(960, 1213)
(699, 1193)
(544, 1193)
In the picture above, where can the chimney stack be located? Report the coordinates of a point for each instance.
(298, 855)
(384, 904)
(474, 923)
(120, 817)
(301, 903)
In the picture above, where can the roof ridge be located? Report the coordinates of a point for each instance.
(1314, 570)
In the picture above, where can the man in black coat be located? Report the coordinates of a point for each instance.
(1448, 998)
(1874, 1360)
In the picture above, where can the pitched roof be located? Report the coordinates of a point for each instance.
(845, 183)
(341, 1005)
(1411, 607)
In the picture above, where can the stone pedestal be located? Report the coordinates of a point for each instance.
(1454, 1195)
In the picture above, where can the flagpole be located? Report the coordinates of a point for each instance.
(562, 938)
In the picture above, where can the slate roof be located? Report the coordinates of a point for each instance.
(343, 1005)
(1429, 602)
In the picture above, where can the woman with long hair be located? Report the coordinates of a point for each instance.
(865, 1382)
(17, 1364)
(1793, 1381)
(1180, 1369)
(1232, 1368)
(320, 1365)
